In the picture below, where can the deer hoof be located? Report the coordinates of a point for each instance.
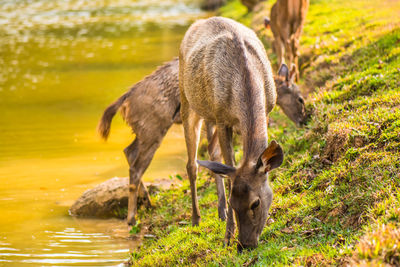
(196, 221)
(148, 204)
(227, 242)
(222, 214)
(131, 220)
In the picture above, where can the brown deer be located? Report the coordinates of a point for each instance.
(212, 4)
(250, 4)
(287, 20)
(225, 78)
(152, 105)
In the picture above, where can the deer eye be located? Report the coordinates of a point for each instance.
(255, 204)
(301, 100)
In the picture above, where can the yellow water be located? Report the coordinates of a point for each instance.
(61, 63)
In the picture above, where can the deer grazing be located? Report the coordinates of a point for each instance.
(287, 20)
(152, 105)
(225, 78)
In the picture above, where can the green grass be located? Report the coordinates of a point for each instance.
(336, 197)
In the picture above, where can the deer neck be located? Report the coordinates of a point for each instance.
(254, 121)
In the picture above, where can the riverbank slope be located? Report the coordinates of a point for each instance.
(336, 197)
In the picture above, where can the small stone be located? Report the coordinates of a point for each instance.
(287, 230)
(327, 161)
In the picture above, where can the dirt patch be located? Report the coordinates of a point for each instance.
(161, 184)
(337, 139)
(314, 260)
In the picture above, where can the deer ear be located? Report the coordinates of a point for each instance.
(267, 22)
(271, 158)
(284, 72)
(292, 74)
(217, 167)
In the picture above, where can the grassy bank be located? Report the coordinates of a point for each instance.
(336, 197)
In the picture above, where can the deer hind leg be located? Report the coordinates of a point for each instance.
(280, 51)
(144, 195)
(139, 155)
(215, 155)
(298, 26)
(225, 135)
(131, 153)
(192, 126)
(295, 51)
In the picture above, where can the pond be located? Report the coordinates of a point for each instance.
(61, 63)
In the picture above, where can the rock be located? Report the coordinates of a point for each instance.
(106, 200)
(287, 230)
(110, 198)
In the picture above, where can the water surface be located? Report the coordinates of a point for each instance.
(61, 63)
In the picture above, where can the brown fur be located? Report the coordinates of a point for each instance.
(212, 4)
(225, 78)
(287, 20)
(250, 4)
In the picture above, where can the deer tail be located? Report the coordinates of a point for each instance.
(105, 122)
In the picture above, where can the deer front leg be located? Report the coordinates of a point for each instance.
(226, 143)
(215, 155)
(192, 127)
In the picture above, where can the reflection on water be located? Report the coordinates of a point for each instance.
(61, 63)
(91, 242)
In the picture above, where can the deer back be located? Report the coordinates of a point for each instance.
(225, 72)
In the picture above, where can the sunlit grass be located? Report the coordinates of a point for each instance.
(340, 177)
